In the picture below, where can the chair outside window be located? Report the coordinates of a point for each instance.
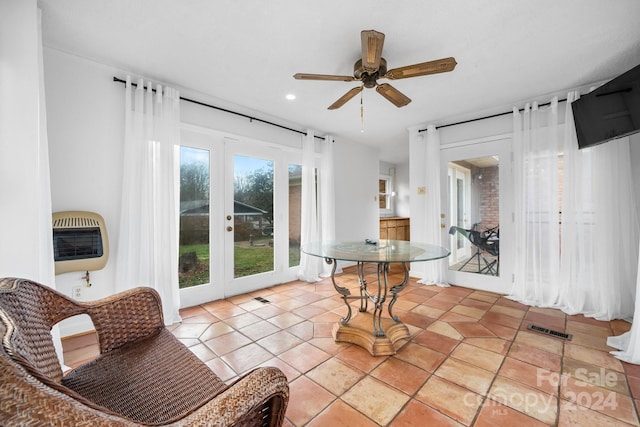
(485, 242)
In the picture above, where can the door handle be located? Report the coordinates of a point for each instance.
(228, 217)
(229, 228)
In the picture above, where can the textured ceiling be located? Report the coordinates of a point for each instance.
(245, 52)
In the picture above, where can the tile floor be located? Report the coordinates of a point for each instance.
(470, 360)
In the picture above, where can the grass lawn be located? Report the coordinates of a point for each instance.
(247, 259)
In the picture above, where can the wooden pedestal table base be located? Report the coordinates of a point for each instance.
(359, 331)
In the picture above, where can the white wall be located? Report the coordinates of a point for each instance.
(86, 132)
(403, 194)
(357, 209)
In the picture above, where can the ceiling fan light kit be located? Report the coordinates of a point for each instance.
(372, 66)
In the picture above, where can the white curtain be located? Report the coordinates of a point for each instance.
(432, 272)
(537, 217)
(148, 240)
(628, 344)
(318, 204)
(584, 260)
(599, 227)
(25, 187)
(327, 192)
(310, 266)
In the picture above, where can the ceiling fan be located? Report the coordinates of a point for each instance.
(372, 66)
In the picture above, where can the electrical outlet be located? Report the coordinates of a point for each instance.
(76, 292)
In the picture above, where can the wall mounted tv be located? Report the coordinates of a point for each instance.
(610, 111)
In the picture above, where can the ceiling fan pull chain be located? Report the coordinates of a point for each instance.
(361, 114)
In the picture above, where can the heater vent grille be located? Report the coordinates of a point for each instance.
(549, 332)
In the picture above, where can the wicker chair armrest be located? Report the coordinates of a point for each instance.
(125, 317)
(243, 403)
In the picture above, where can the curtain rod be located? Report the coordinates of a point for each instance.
(487, 117)
(116, 79)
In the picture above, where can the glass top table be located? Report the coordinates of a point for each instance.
(381, 251)
(386, 332)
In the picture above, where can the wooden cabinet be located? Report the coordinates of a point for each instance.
(394, 228)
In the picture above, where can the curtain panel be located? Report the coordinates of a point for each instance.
(148, 239)
(432, 272)
(576, 233)
(318, 204)
(537, 217)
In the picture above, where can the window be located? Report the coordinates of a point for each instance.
(193, 263)
(385, 191)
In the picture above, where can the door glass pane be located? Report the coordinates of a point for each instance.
(476, 231)
(295, 213)
(253, 216)
(193, 261)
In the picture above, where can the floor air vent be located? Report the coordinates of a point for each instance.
(262, 300)
(550, 332)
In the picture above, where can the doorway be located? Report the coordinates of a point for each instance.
(477, 198)
(239, 216)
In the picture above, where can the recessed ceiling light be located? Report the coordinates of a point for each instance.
(290, 96)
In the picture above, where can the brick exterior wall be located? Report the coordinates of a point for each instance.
(489, 196)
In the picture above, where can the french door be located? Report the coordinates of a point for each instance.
(458, 178)
(477, 200)
(239, 215)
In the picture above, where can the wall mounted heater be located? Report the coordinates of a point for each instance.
(80, 241)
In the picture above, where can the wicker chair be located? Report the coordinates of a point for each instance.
(143, 375)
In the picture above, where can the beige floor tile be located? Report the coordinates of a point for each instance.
(479, 357)
(540, 341)
(508, 311)
(335, 375)
(306, 400)
(596, 375)
(599, 399)
(528, 400)
(422, 357)
(418, 414)
(471, 377)
(445, 329)
(497, 345)
(452, 400)
(340, 414)
(404, 376)
(592, 356)
(376, 400)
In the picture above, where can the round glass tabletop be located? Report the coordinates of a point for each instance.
(379, 251)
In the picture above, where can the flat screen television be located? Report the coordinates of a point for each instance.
(610, 111)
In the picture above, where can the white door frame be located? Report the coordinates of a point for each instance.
(501, 146)
(206, 139)
(222, 148)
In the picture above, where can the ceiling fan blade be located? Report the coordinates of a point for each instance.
(392, 94)
(303, 76)
(372, 42)
(344, 98)
(432, 67)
